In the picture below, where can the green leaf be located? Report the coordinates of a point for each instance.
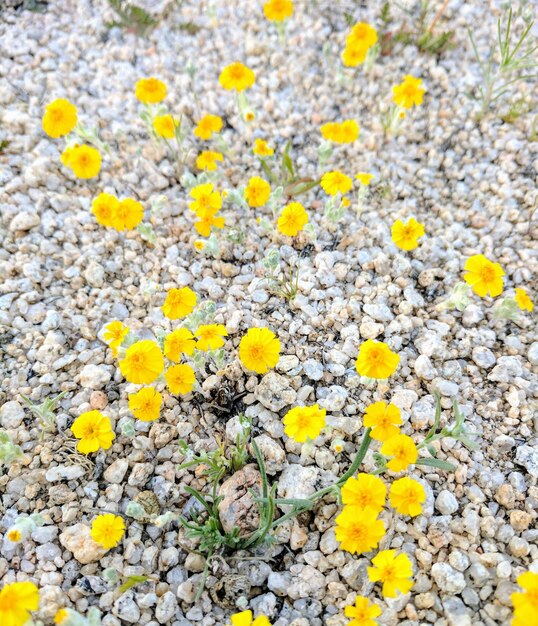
(438, 463)
(131, 582)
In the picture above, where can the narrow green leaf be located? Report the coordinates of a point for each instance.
(132, 581)
(438, 463)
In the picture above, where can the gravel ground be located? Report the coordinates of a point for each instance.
(473, 185)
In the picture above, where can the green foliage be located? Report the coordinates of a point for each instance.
(131, 582)
(9, 451)
(3, 145)
(517, 56)
(131, 17)
(44, 412)
(283, 283)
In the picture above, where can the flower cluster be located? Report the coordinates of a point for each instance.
(358, 42)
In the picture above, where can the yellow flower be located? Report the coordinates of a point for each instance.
(522, 300)
(17, 601)
(259, 350)
(179, 303)
(376, 360)
(207, 221)
(406, 236)
(115, 333)
(180, 378)
(261, 148)
(407, 496)
(210, 336)
(257, 191)
(128, 215)
(165, 126)
(365, 491)
(362, 34)
(484, 276)
(403, 451)
(408, 93)
(107, 530)
(383, 420)
(14, 535)
(343, 132)
(205, 198)
(143, 362)
(94, 431)
(336, 182)
(207, 160)
(358, 530)
(346, 201)
(292, 219)
(363, 613)
(104, 208)
(526, 603)
(180, 341)
(393, 571)
(60, 118)
(208, 125)
(245, 618)
(65, 157)
(249, 116)
(85, 161)
(364, 178)
(199, 245)
(61, 616)
(354, 54)
(237, 76)
(145, 404)
(150, 90)
(304, 422)
(278, 10)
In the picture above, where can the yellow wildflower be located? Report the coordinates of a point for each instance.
(17, 601)
(145, 404)
(278, 10)
(259, 350)
(304, 422)
(150, 90)
(207, 160)
(376, 360)
(85, 161)
(128, 214)
(407, 496)
(179, 303)
(104, 208)
(358, 530)
(262, 149)
(409, 92)
(403, 451)
(364, 178)
(364, 491)
(383, 420)
(208, 125)
(363, 612)
(94, 431)
(406, 236)
(165, 126)
(210, 336)
(292, 219)
(257, 192)
(336, 182)
(484, 276)
(522, 300)
(180, 378)
(205, 198)
(393, 570)
(180, 341)
(107, 530)
(237, 76)
(143, 362)
(60, 118)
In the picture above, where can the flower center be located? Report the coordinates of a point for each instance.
(487, 274)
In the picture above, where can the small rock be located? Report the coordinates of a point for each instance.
(166, 608)
(11, 414)
(25, 220)
(446, 502)
(273, 455)
(527, 456)
(237, 508)
(126, 609)
(94, 376)
(77, 540)
(447, 578)
(115, 472)
(64, 472)
(274, 392)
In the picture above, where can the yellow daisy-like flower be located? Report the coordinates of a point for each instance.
(358, 530)
(205, 198)
(60, 118)
(237, 76)
(259, 350)
(409, 92)
(403, 451)
(14, 535)
(484, 276)
(407, 496)
(128, 215)
(393, 571)
(143, 362)
(304, 422)
(208, 125)
(406, 236)
(210, 336)
(365, 491)
(180, 341)
(262, 149)
(65, 157)
(207, 160)
(208, 220)
(336, 182)
(85, 161)
(245, 618)
(165, 126)
(526, 602)
(104, 208)
(278, 10)
(107, 530)
(343, 132)
(180, 378)
(362, 34)
(199, 245)
(364, 178)
(179, 303)
(354, 54)
(115, 333)
(376, 360)
(293, 219)
(145, 404)
(257, 192)
(363, 612)
(150, 90)
(17, 601)
(249, 116)
(523, 301)
(383, 419)
(94, 431)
